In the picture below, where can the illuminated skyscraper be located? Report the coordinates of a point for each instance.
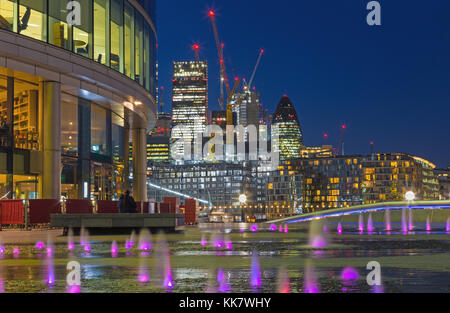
(248, 112)
(190, 99)
(286, 125)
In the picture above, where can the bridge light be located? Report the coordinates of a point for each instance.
(410, 196)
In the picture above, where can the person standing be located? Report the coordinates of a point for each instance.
(127, 203)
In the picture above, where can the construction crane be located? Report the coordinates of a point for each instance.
(220, 46)
(196, 48)
(230, 105)
(255, 69)
(343, 129)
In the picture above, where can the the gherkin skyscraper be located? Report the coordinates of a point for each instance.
(285, 124)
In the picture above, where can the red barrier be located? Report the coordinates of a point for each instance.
(174, 204)
(145, 207)
(12, 212)
(190, 213)
(107, 207)
(164, 208)
(40, 210)
(78, 206)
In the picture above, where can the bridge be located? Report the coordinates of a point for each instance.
(366, 208)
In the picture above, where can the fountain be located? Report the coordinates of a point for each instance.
(361, 223)
(2, 249)
(447, 225)
(145, 240)
(50, 246)
(224, 286)
(286, 229)
(132, 238)
(281, 229)
(388, 220)
(228, 243)
(16, 252)
(143, 275)
(50, 270)
(70, 242)
(82, 234)
(325, 229)
(349, 278)
(204, 241)
(428, 223)
(404, 223)
(410, 220)
(339, 229)
(217, 241)
(254, 228)
(163, 270)
(316, 238)
(255, 279)
(370, 223)
(87, 244)
(284, 284)
(114, 249)
(273, 227)
(310, 284)
(39, 245)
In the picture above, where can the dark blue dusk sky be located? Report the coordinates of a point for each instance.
(389, 84)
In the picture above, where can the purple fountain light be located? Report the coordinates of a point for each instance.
(87, 247)
(39, 245)
(228, 244)
(284, 284)
(254, 228)
(2, 249)
(145, 246)
(128, 244)
(16, 252)
(114, 249)
(310, 281)
(404, 223)
(339, 229)
(410, 220)
(361, 223)
(428, 224)
(318, 242)
(349, 273)
(325, 229)
(144, 276)
(370, 223)
(273, 227)
(255, 279)
(281, 229)
(74, 289)
(204, 242)
(2, 286)
(286, 229)
(388, 220)
(447, 226)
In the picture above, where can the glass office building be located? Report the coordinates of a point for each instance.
(73, 93)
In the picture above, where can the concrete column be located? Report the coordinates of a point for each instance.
(50, 139)
(140, 164)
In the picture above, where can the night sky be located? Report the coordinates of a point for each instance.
(389, 84)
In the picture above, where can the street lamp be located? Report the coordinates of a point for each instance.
(410, 196)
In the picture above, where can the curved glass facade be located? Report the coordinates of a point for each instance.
(111, 32)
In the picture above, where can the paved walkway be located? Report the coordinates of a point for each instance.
(22, 236)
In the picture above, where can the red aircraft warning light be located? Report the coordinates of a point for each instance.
(211, 13)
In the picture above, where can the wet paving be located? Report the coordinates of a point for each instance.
(224, 258)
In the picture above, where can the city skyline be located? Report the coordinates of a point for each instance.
(398, 68)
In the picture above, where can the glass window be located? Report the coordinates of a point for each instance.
(7, 14)
(82, 34)
(57, 26)
(139, 48)
(99, 134)
(32, 19)
(117, 35)
(4, 113)
(100, 27)
(118, 139)
(129, 40)
(146, 81)
(26, 98)
(69, 125)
